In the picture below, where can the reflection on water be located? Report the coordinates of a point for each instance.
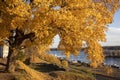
(82, 58)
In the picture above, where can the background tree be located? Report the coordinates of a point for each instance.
(74, 21)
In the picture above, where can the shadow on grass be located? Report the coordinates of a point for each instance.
(43, 67)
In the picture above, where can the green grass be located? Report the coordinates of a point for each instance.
(61, 75)
(73, 73)
(86, 72)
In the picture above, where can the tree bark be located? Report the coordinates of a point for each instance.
(8, 60)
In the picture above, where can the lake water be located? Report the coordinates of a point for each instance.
(82, 58)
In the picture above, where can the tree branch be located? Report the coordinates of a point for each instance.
(21, 38)
(3, 64)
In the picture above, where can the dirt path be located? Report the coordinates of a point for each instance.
(6, 76)
(102, 77)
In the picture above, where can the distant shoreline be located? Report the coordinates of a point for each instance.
(104, 47)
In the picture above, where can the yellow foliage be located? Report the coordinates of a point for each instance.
(73, 20)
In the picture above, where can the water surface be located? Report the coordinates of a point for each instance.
(82, 58)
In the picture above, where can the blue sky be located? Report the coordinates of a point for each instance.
(112, 35)
(116, 20)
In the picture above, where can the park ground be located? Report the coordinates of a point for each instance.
(48, 71)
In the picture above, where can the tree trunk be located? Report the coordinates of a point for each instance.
(15, 42)
(8, 60)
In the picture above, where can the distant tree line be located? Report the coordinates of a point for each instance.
(111, 47)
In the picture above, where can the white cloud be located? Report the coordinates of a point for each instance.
(113, 37)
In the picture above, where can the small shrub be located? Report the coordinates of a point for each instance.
(21, 56)
(49, 58)
(108, 70)
(64, 63)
